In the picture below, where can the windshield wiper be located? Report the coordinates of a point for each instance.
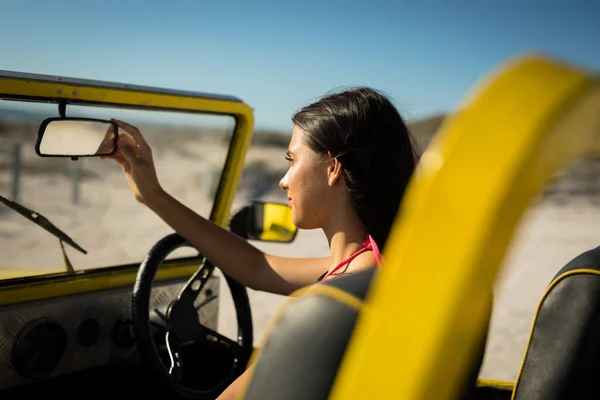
(41, 221)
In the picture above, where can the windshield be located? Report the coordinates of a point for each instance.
(88, 199)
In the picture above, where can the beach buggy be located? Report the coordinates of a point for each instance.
(96, 317)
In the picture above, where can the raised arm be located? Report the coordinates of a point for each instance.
(232, 254)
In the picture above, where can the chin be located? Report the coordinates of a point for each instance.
(303, 223)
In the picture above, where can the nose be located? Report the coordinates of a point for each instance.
(283, 183)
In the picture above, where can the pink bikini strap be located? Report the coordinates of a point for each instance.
(368, 245)
(373, 246)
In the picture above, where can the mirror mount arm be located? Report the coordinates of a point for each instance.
(62, 108)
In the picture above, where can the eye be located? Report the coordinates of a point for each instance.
(288, 158)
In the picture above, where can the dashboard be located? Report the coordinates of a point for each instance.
(50, 338)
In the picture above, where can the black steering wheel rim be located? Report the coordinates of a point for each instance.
(141, 319)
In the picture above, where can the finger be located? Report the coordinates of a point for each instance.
(118, 157)
(128, 140)
(110, 132)
(128, 152)
(106, 148)
(133, 131)
(107, 144)
(131, 143)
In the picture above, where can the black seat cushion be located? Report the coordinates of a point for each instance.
(562, 359)
(306, 344)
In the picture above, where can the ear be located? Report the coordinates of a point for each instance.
(334, 171)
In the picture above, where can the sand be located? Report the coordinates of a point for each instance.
(109, 223)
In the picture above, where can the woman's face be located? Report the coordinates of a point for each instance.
(307, 183)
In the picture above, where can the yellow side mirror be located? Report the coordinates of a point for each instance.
(267, 222)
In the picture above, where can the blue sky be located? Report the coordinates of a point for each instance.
(280, 55)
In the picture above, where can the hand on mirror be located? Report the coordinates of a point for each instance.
(135, 157)
(107, 145)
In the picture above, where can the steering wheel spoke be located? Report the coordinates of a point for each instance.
(197, 282)
(180, 324)
(174, 349)
(212, 336)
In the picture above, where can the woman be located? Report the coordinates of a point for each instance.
(350, 157)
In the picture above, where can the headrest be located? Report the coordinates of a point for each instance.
(306, 343)
(562, 359)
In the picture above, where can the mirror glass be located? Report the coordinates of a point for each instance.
(76, 137)
(267, 222)
(277, 223)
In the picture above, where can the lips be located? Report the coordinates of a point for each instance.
(289, 202)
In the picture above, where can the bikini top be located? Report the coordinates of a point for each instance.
(369, 245)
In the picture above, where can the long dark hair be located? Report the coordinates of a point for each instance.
(365, 132)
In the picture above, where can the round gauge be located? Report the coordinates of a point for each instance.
(39, 348)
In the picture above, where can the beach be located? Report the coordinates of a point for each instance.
(106, 220)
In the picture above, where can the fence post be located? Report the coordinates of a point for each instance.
(16, 171)
(75, 178)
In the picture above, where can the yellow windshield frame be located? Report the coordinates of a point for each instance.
(55, 89)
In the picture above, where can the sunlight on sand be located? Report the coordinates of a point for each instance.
(114, 228)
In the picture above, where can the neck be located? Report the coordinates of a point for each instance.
(345, 234)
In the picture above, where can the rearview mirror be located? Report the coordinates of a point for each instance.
(76, 137)
(267, 222)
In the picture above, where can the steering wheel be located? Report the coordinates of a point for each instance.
(182, 324)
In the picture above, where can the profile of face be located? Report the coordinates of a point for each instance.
(360, 129)
(310, 183)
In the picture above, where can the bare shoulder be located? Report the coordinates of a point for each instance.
(362, 261)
